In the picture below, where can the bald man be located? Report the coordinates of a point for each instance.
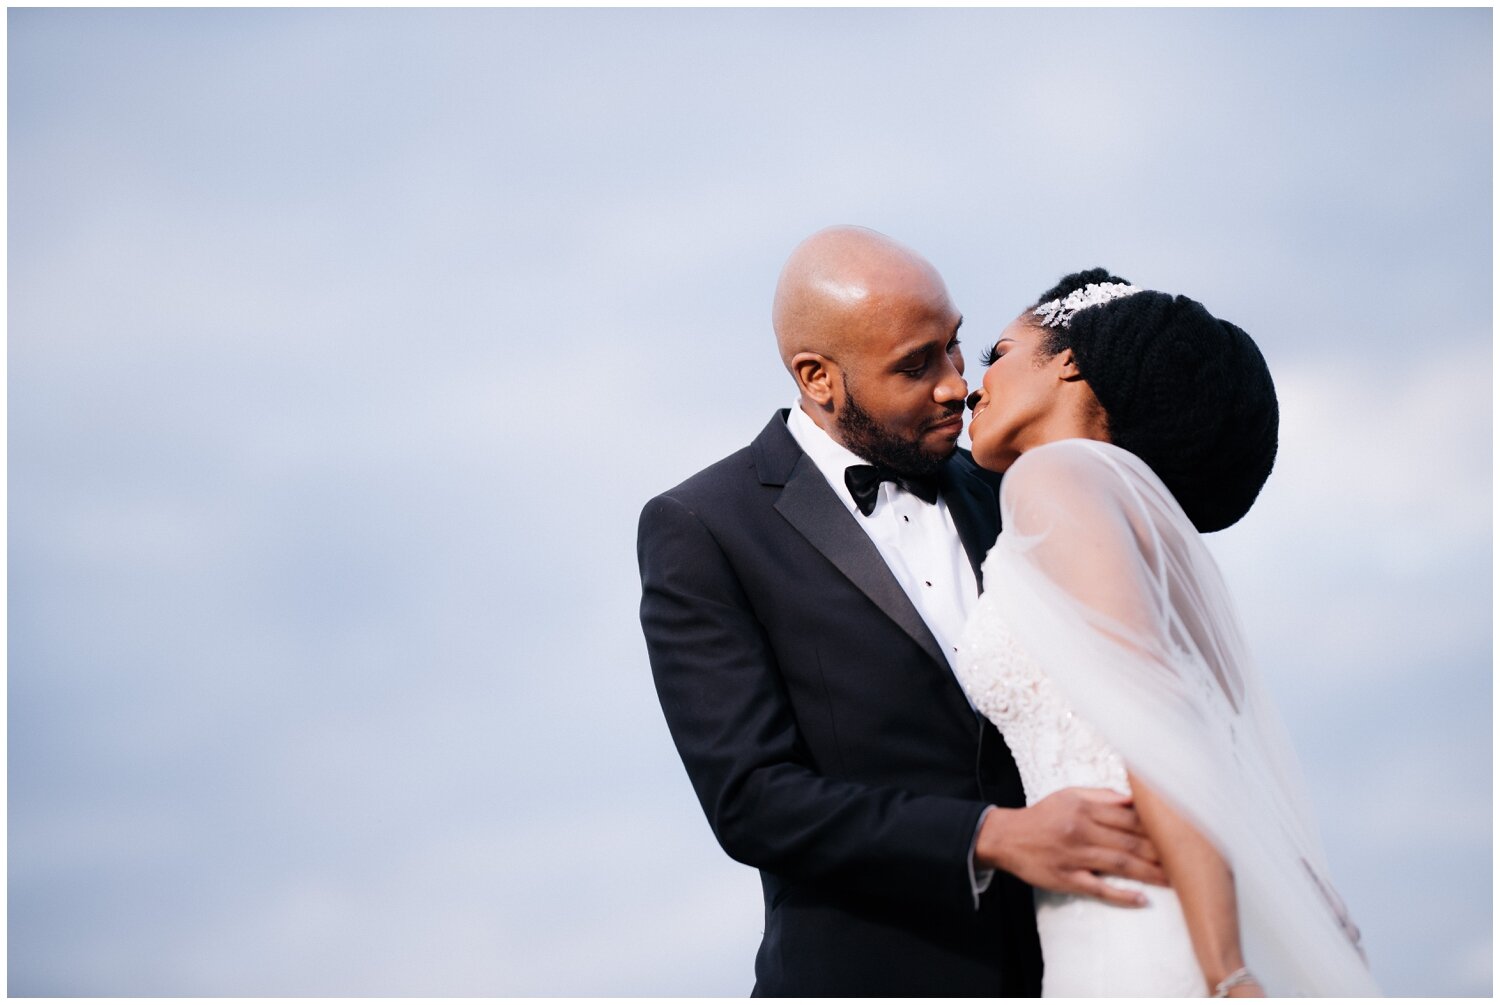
(802, 602)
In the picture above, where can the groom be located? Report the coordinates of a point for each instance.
(802, 602)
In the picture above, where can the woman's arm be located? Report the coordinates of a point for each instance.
(1204, 885)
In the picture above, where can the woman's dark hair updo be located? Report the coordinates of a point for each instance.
(1185, 392)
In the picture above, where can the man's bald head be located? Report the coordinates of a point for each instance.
(866, 328)
(839, 278)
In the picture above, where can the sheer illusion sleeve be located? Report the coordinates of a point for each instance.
(1107, 585)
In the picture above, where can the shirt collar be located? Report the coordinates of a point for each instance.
(831, 456)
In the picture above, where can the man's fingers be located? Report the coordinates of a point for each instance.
(1119, 817)
(1104, 796)
(1131, 842)
(1091, 885)
(1115, 862)
(1120, 826)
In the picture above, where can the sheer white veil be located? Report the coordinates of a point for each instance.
(1105, 583)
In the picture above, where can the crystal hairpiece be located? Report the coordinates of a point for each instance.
(1057, 313)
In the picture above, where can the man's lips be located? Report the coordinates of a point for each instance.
(952, 424)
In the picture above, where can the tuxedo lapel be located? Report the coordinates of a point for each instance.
(973, 505)
(809, 504)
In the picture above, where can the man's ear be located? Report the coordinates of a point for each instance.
(1067, 365)
(814, 374)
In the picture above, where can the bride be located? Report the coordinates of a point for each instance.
(1106, 650)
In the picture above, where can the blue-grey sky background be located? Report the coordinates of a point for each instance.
(346, 345)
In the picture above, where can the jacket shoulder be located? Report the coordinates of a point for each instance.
(729, 483)
(724, 482)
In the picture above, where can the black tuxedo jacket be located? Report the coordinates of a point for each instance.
(824, 732)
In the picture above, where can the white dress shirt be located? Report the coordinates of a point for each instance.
(917, 539)
(921, 547)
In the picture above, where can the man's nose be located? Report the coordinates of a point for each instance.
(952, 387)
(973, 400)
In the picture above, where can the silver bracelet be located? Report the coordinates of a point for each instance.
(1234, 980)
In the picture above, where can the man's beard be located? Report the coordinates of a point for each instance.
(878, 445)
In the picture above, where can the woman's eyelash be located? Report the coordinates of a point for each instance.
(988, 356)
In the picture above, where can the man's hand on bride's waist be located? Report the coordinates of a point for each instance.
(1068, 840)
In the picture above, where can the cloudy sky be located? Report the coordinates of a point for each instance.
(345, 347)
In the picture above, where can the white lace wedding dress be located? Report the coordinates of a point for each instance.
(1105, 636)
(1089, 948)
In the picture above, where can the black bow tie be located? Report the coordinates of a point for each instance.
(864, 485)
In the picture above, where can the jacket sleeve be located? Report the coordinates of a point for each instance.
(730, 716)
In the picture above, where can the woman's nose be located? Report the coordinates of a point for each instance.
(973, 400)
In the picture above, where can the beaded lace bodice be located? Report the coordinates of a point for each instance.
(1090, 948)
(1053, 747)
